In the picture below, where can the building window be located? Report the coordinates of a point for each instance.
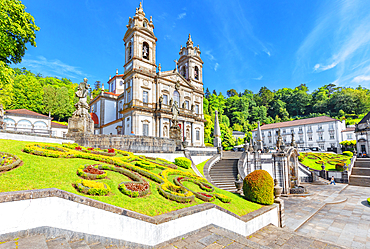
(284, 131)
(332, 145)
(145, 130)
(349, 136)
(196, 73)
(145, 97)
(276, 132)
(331, 136)
(176, 97)
(309, 138)
(321, 146)
(320, 127)
(300, 138)
(183, 72)
(197, 109)
(331, 126)
(292, 131)
(129, 51)
(165, 99)
(187, 104)
(270, 141)
(197, 134)
(146, 50)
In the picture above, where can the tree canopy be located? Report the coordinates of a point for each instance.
(17, 28)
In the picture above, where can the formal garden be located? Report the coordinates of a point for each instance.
(150, 186)
(331, 161)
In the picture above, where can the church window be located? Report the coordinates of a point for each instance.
(145, 24)
(176, 97)
(196, 73)
(197, 134)
(165, 99)
(146, 50)
(145, 130)
(197, 109)
(129, 51)
(187, 104)
(145, 97)
(183, 72)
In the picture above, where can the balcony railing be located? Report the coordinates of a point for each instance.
(300, 141)
(300, 132)
(321, 140)
(309, 131)
(320, 130)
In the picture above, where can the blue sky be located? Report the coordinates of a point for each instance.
(244, 44)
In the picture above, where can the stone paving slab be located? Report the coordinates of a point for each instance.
(347, 223)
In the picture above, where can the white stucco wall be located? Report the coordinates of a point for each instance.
(21, 137)
(110, 111)
(64, 214)
(199, 159)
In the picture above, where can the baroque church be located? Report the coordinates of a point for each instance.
(140, 100)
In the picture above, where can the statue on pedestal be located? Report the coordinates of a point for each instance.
(81, 120)
(175, 131)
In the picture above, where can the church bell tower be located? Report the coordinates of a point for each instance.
(140, 43)
(190, 64)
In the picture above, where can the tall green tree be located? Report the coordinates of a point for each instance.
(17, 29)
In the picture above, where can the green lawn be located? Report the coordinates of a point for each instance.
(39, 172)
(314, 160)
(201, 166)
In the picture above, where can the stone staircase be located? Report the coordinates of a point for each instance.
(360, 173)
(224, 172)
(40, 242)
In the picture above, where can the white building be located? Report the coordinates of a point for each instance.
(139, 100)
(26, 121)
(349, 133)
(323, 132)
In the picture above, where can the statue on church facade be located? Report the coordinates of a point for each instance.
(175, 112)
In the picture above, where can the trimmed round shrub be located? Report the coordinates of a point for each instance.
(258, 186)
(368, 201)
(339, 167)
(183, 162)
(347, 153)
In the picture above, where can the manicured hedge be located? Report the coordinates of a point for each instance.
(368, 201)
(258, 186)
(223, 198)
(348, 153)
(89, 176)
(93, 188)
(183, 162)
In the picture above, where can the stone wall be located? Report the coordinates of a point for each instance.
(32, 137)
(126, 142)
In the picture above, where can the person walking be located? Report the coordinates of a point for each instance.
(332, 180)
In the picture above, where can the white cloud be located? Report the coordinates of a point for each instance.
(361, 78)
(181, 16)
(216, 66)
(210, 55)
(52, 68)
(258, 78)
(319, 67)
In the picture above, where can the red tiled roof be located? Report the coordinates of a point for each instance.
(349, 129)
(56, 125)
(26, 112)
(117, 75)
(94, 118)
(115, 94)
(306, 121)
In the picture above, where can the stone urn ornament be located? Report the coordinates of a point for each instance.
(323, 166)
(239, 183)
(277, 189)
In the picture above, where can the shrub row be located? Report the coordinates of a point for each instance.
(183, 162)
(93, 188)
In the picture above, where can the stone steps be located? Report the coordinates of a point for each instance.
(224, 173)
(40, 242)
(359, 180)
(361, 171)
(274, 237)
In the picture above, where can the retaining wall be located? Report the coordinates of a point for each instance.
(11, 135)
(63, 211)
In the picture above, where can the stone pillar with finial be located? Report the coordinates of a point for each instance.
(217, 134)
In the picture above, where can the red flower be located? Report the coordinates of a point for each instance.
(111, 150)
(78, 148)
(90, 148)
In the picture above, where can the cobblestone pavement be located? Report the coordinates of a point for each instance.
(346, 223)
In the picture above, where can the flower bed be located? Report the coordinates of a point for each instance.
(91, 172)
(93, 188)
(133, 167)
(8, 161)
(330, 160)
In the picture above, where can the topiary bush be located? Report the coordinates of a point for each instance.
(339, 167)
(183, 162)
(368, 201)
(347, 153)
(258, 186)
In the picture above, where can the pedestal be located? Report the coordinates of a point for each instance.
(80, 125)
(175, 134)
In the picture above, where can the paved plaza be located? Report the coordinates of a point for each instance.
(332, 216)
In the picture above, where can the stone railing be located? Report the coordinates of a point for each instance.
(209, 164)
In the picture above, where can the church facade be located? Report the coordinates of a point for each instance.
(140, 100)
